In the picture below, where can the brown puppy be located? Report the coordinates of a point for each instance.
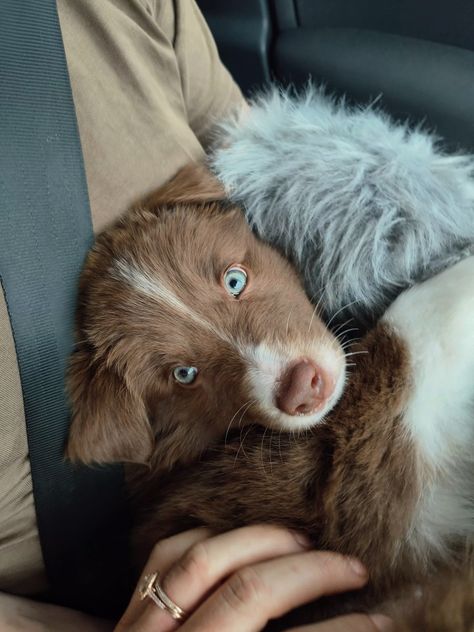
(188, 325)
(186, 322)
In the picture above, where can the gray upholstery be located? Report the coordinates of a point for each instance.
(420, 80)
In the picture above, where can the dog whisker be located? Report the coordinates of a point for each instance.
(334, 331)
(312, 317)
(261, 449)
(279, 445)
(350, 343)
(328, 324)
(270, 451)
(345, 332)
(353, 353)
(288, 321)
(233, 417)
(321, 293)
(250, 402)
(241, 445)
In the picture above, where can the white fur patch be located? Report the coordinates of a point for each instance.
(154, 287)
(266, 366)
(436, 319)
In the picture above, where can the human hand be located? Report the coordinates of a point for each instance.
(238, 581)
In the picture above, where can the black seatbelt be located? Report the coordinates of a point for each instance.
(45, 232)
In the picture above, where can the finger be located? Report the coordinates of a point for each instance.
(210, 561)
(350, 623)
(255, 594)
(163, 555)
(166, 552)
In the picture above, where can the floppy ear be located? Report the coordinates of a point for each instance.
(193, 183)
(109, 420)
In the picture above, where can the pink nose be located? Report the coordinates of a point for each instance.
(304, 389)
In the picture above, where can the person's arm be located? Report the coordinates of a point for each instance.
(209, 91)
(234, 581)
(18, 614)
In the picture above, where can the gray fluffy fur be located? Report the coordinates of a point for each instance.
(363, 206)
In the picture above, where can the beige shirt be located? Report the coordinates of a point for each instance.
(148, 86)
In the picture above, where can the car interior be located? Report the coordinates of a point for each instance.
(415, 58)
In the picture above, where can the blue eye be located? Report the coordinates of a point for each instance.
(235, 280)
(185, 374)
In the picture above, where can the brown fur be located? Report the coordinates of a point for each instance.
(445, 605)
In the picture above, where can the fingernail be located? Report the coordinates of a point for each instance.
(357, 567)
(302, 539)
(381, 622)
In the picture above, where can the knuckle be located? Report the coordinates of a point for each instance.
(244, 587)
(329, 561)
(195, 562)
(158, 548)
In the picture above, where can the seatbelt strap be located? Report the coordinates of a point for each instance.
(45, 232)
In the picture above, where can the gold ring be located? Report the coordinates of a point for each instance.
(151, 588)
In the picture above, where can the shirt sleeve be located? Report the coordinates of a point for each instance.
(210, 93)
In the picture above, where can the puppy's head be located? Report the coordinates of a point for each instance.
(189, 326)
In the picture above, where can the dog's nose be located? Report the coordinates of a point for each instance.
(304, 388)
